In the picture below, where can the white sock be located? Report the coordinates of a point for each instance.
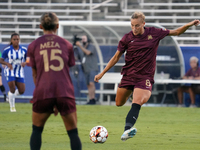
(16, 92)
(11, 97)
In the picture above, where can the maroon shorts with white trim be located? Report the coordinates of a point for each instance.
(130, 84)
(64, 105)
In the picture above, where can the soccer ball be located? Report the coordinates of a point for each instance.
(98, 134)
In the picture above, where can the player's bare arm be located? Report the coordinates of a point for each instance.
(110, 64)
(87, 52)
(182, 29)
(6, 63)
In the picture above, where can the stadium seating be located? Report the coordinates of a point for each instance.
(22, 16)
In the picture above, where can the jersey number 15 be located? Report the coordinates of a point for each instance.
(52, 57)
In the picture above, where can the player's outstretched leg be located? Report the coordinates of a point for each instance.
(128, 134)
(131, 118)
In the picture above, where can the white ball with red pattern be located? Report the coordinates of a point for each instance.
(98, 134)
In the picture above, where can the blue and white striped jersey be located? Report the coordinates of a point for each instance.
(14, 57)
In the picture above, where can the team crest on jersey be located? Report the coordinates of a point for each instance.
(150, 37)
(148, 83)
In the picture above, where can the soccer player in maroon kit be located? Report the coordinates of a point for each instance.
(140, 46)
(50, 57)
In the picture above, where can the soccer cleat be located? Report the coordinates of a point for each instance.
(12, 109)
(128, 134)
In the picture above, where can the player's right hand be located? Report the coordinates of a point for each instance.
(23, 64)
(3, 65)
(98, 77)
(9, 66)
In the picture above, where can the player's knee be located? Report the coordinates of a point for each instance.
(143, 101)
(12, 90)
(118, 103)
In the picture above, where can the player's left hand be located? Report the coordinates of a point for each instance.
(195, 22)
(23, 64)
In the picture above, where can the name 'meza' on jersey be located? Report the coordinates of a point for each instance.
(14, 57)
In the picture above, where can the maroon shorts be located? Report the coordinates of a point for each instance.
(64, 105)
(130, 84)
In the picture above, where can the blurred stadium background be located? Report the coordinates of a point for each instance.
(22, 16)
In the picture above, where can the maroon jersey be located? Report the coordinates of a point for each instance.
(141, 50)
(52, 56)
(193, 73)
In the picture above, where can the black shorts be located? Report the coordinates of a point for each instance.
(64, 105)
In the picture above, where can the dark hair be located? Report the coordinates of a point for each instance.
(49, 21)
(12, 36)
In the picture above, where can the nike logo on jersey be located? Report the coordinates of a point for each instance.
(132, 41)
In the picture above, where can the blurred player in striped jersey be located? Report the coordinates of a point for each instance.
(14, 57)
(2, 88)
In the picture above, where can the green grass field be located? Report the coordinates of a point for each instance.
(159, 128)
